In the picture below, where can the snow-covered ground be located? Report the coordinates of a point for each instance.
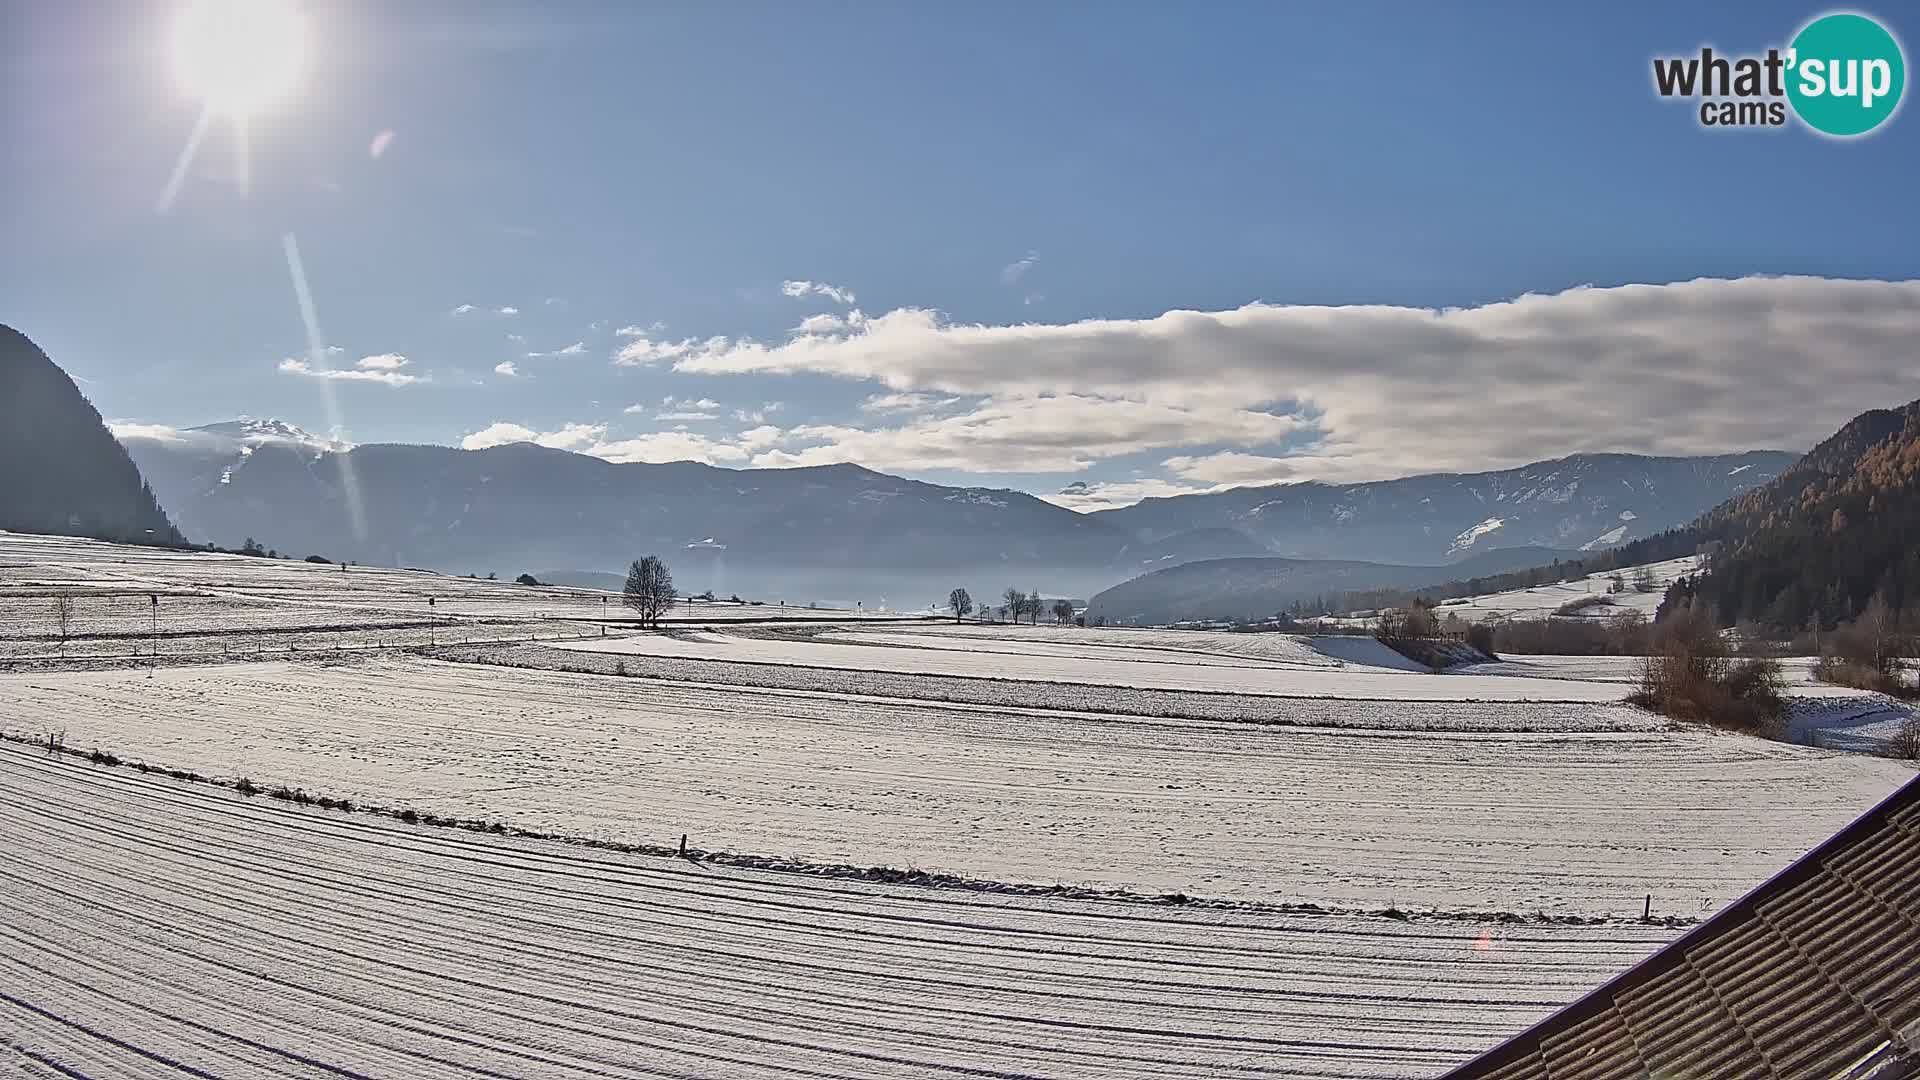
(1542, 601)
(1566, 819)
(1313, 674)
(150, 927)
(1849, 720)
(127, 601)
(146, 924)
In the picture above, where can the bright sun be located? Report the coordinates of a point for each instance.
(237, 56)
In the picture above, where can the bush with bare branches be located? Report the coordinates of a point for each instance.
(1690, 676)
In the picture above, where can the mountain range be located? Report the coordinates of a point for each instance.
(842, 532)
(832, 532)
(1807, 548)
(1795, 540)
(1585, 502)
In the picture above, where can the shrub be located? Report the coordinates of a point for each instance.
(1480, 636)
(1906, 741)
(1690, 677)
(320, 559)
(1581, 603)
(526, 579)
(1620, 635)
(246, 787)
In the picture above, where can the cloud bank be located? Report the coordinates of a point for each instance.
(1270, 392)
(383, 368)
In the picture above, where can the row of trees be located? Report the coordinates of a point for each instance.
(1018, 605)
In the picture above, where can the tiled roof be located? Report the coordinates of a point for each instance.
(1816, 973)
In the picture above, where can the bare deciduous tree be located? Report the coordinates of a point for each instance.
(960, 603)
(1016, 603)
(649, 590)
(63, 617)
(1034, 604)
(1063, 611)
(1643, 580)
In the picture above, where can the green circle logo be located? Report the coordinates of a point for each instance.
(1846, 73)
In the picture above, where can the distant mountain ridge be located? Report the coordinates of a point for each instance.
(1584, 501)
(843, 532)
(60, 469)
(825, 532)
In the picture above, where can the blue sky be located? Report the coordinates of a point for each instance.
(978, 179)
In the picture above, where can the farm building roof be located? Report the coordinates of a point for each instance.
(1815, 973)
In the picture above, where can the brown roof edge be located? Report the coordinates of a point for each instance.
(1601, 997)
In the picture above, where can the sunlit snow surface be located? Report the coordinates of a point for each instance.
(150, 923)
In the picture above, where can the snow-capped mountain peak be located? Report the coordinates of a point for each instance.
(251, 431)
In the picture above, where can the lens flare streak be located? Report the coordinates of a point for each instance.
(329, 399)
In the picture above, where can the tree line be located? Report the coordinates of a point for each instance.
(1016, 605)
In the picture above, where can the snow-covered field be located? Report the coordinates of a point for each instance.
(128, 601)
(1542, 601)
(1565, 820)
(928, 652)
(150, 927)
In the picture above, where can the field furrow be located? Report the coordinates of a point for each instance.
(150, 926)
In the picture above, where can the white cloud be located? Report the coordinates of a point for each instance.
(663, 446)
(1233, 468)
(383, 368)
(759, 415)
(657, 446)
(682, 409)
(506, 368)
(578, 348)
(835, 293)
(1693, 367)
(636, 330)
(642, 351)
(904, 402)
(821, 324)
(576, 437)
(380, 143)
(1012, 272)
(1086, 497)
(465, 309)
(1065, 433)
(506, 310)
(133, 429)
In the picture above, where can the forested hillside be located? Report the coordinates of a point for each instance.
(61, 471)
(1816, 544)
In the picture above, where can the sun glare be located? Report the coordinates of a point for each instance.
(238, 56)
